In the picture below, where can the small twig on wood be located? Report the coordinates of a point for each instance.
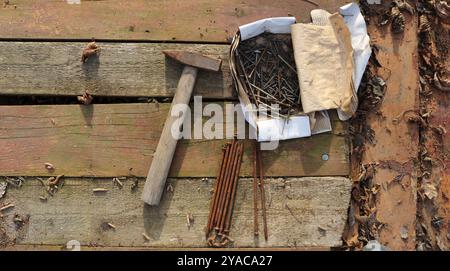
(292, 213)
(118, 182)
(311, 2)
(146, 237)
(111, 225)
(99, 190)
(6, 207)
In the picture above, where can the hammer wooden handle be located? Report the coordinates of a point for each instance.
(162, 158)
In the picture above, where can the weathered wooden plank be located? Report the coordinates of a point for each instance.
(75, 213)
(119, 140)
(438, 149)
(396, 142)
(197, 20)
(147, 248)
(122, 69)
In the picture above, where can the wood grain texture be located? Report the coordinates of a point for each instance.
(147, 248)
(119, 140)
(75, 213)
(122, 69)
(195, 20)
(396, 142)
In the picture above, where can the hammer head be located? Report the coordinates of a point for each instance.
(195, 59)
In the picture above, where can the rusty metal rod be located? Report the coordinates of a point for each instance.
(223, 192)
(215, 195)
(229, 186)
(263, 196)
(255, 191)
(222, 184)
(233, 191)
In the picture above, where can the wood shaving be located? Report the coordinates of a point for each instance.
(118, 182)
(99, 190)
(146, 237)
(6, 207)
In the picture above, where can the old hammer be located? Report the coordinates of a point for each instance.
(162, 158)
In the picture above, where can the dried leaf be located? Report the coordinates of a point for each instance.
(404, 232)
(429, 190)
(3, 187)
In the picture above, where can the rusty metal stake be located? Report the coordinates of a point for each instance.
(263, 196)
(227, 180)
(229, 186)
(234, 189)
(220, 188)
(215, 196)
(255, 191)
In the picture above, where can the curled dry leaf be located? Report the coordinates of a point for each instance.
(404, 232)
(91, 49)
(54, 181)
(429, 190)
(398, 21)
(441, 83)
(86, 98)
(404, 6)
(443, 10)
(3, 186)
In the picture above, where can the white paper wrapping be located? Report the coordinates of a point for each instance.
(274, 129)
(276, 25)
(360, 40)
(299, 126)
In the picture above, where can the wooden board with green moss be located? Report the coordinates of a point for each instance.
(119, 139)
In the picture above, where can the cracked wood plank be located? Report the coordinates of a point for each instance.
(195, 20)
(119, 139)
(75, 213)
(122, 69)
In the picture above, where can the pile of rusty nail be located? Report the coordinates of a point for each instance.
(267, 69)
(222, 203)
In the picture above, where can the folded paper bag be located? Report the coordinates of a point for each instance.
(323, 57)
